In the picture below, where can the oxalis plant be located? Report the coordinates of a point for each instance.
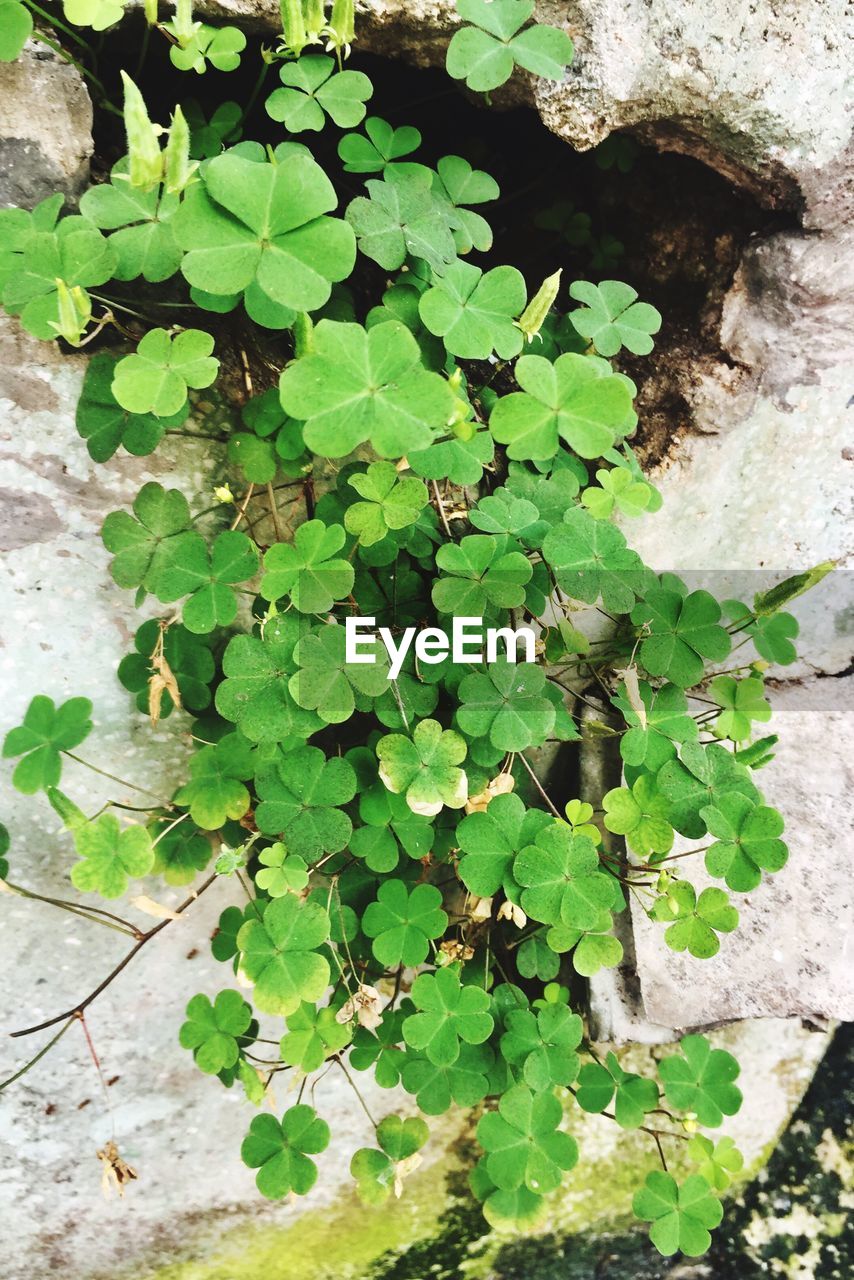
(409, 898)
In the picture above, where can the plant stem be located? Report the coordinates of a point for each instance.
(355, 1089)
(78, 1009)
(88, 913)
(41, 1053)
(121, 781)
(538, 785)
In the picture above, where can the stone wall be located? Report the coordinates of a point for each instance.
(754, 90)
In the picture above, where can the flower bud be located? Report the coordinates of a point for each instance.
(145, 162)
(533, 317)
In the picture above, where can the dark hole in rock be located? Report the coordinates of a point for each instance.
(681, 226)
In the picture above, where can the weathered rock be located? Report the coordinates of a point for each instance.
(65, 627)
(756, 90)
(45, 128)
(790, 954)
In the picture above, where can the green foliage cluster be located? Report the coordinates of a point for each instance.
(405, 896)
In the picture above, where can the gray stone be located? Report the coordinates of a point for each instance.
(790, 955)
(758, 91)
(45, 128)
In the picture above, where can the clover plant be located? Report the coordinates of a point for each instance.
(407, 878)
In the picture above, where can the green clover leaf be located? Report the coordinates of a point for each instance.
(447, 1013)
(485, 54)
(105, 425)
(541, 1045)
(265, 224)
(401, 216)
(681, 1214)
(326, 683)
(592, 950)
(4, 849)
(617, 489)
(701, 1081)
(188, 658)
(458, 184)
(375, 1171)
(597, 1085)
(155, 379)
(699, 780)
(575, 399)
(389, 502)
(140, 542)
(110, 856)
(489, 842)
(280, 873)
(679, 633)
(313, 89)
(212, 1031)
(460, 461)
(772, 634)
(279, 954)
(300, 795)
(255, 693)
(208, 137)
(359, 385)
(501, 513)
(591, 561)
(465, 1082)
(401, 924)
(523, 1143)
(16, 24)
(666, 721)
(216, 791)
(46, 731)
(695, 922)
(307, 569)
(139, 220)
(280, 1151)
(611, 318)
(425, 767)
(480, 574)
(313, 1034)
(717, 1162)
(179, 854)
(381, 1050)
(747, 841)
(640, 814)
(189, 567)
(75, 253)
(743, 702)
(380, 148)
(474, 312)
(507, 705)
(562, 881)
(219, 46)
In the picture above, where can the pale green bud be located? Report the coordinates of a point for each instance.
(533, 317)
(183, 27)
(150, 8)
(303, 335)
(75, 312)
(178, 167)
(145, 162)
(315, 19)
(293, 25)
(342, 25)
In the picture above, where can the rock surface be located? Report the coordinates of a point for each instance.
(791, 955)
(65, 627)
(45, 128)
(759, 91)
